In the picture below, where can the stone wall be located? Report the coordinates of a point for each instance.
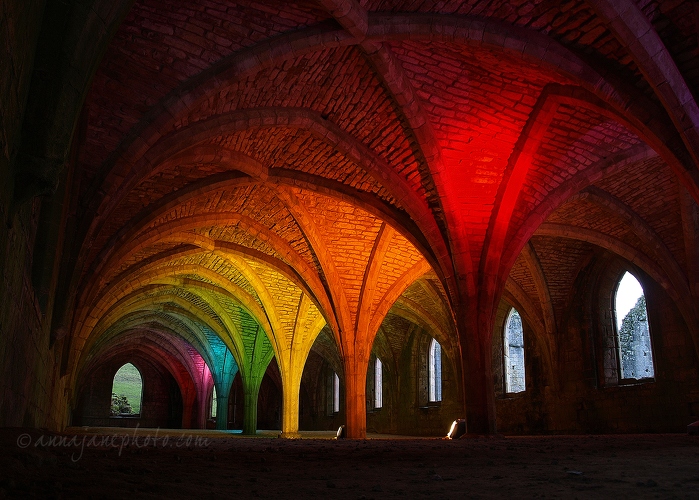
(28, 362)
(161, 405)
(590, 397)
(316, 394)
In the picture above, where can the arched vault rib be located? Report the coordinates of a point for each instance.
(184, 99)
(397, 288)
(159, 355)
(653, 242)
(246, 119)
(232, 333)
(235, 330)
(183, 310)
(163, 320)
(150, 321)
(139, 235)
(391, 73)
(594, 173)
(262, 291)
(441, 27)
(355, 19)
(540, 49)
(296, 268)
(635, 32)
(340, 308)
(297, 323)
(265, 316)
(371, 276)
(520, 300)
(188, 143)
(676, 286)
(279, 177)
(530, 45)
(220, 364)
(197, 153)
(292, 360)
(180, 101)
(164, 303)
(136, 303)
(640, 227)
(415, 313)
(155, 273)
(519, 163)
(148, 339)
(492, 264)
(369, 318)
(276, 332)
(138, 340)
(542, 289)
(395, 217)
(546, 304)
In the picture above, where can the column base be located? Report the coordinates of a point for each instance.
(289, 435)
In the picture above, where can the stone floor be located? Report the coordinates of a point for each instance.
(150, 463)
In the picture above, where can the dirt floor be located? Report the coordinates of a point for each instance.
(149, 463)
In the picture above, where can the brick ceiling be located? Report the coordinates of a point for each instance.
(316, 161)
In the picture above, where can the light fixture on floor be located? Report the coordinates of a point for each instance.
(693, 428)
(457, 429)
(340, 432)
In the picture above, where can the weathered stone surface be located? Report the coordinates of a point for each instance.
(227, 180)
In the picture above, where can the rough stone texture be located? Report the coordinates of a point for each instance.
(591, 397)
(161, 403)
(242, 176)
(29, 364)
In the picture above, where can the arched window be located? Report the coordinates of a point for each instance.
(633, 333)
(336, 393)
(514, 353)
(435, 372)
(127, 391)
(214, 403)
(378, 383)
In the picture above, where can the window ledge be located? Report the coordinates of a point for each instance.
(629, 384)
(634, 382)
(431, 406)
(513, 395)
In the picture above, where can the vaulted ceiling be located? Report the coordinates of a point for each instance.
(247, 167)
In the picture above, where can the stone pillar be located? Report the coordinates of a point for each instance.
(221, 411)
(355, 397)
(291, 387)
(250, 409)
(223, 391)
(479, 392)
(202, 415)
(189, 396)
(187, 410)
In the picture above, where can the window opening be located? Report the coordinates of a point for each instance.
(633, 332)
(514, 353)
(127, 391)
(378, 383)
(336, 393)
(214, 403)
(435, 372)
